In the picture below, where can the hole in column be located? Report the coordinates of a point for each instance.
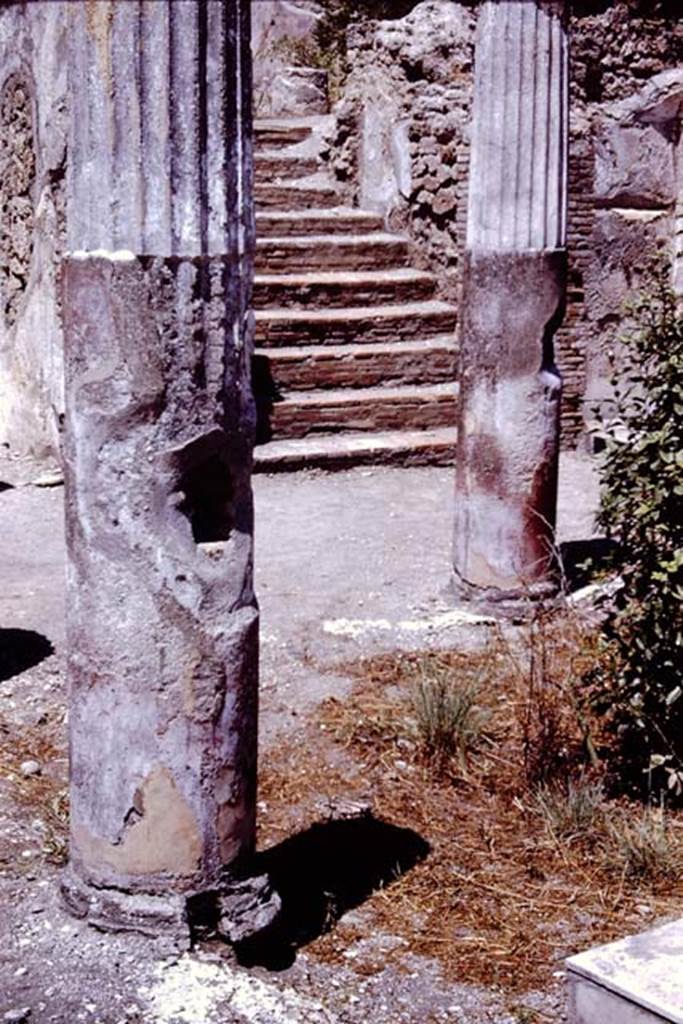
(208, 500)
(204, 490)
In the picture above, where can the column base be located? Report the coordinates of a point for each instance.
(117, 911)
(503, 603)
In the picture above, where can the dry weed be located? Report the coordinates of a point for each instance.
(518, 877)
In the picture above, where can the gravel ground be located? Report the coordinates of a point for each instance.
(347, 564)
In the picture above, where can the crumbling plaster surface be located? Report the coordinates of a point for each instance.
(638, 185)
(162, 618)
(32, 164)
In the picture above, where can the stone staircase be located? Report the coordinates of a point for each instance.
(355, 357)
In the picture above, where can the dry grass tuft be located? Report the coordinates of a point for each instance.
(42, 798)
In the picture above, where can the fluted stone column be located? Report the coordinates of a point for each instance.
(162, 622)
(513, 301)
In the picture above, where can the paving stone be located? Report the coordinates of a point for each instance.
(637, 980)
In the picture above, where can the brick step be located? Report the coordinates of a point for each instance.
(269, 165)
(337, 288)
(276, 132)
(331, 252)
(354, 325)
(343, 451)
(408, 407)
(295, 195)
(354, 366)
(279, 223)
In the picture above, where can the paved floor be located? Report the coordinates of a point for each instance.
(345, 562)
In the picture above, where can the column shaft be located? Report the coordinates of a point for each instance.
(513, 301)
(162, 621)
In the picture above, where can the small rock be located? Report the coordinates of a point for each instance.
(17, 1015)
(28, 768)
(341, 809)
(247, 906)
(49, 479)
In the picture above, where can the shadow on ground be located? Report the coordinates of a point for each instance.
(323, 872)
(266, 394)
(583, 560)
(21, 649)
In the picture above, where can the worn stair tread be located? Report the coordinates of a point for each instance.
(303, 368)
(354, 396)
(351, 313)
(340, 450)
(282, 132)
(281, 165)
(343, 276)
(337, 241)
(308, 121)
(341, 288)
(311, 183)
(315, 221)
(349, 211)
(301, 194)
(298, 352)
(360, 325)
(279, 138)
(284, 156)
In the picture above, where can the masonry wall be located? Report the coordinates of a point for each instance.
(32, 224)
(402, 147)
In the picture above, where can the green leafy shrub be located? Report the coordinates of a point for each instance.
(641, 680)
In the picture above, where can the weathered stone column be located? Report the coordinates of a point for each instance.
(513, 301)
(162, 620)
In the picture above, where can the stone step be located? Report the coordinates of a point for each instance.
(277, 132)
(331, 252)
(337, 288)
(269, 165)
(354, 366)
(354, 325)
(407, 407)
(344, 221)
(295, 195)
(343, 451)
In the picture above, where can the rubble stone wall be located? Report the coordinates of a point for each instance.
(32, 168)
(282, 31)
(402, 147)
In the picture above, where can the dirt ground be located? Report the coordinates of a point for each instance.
(348, 564)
